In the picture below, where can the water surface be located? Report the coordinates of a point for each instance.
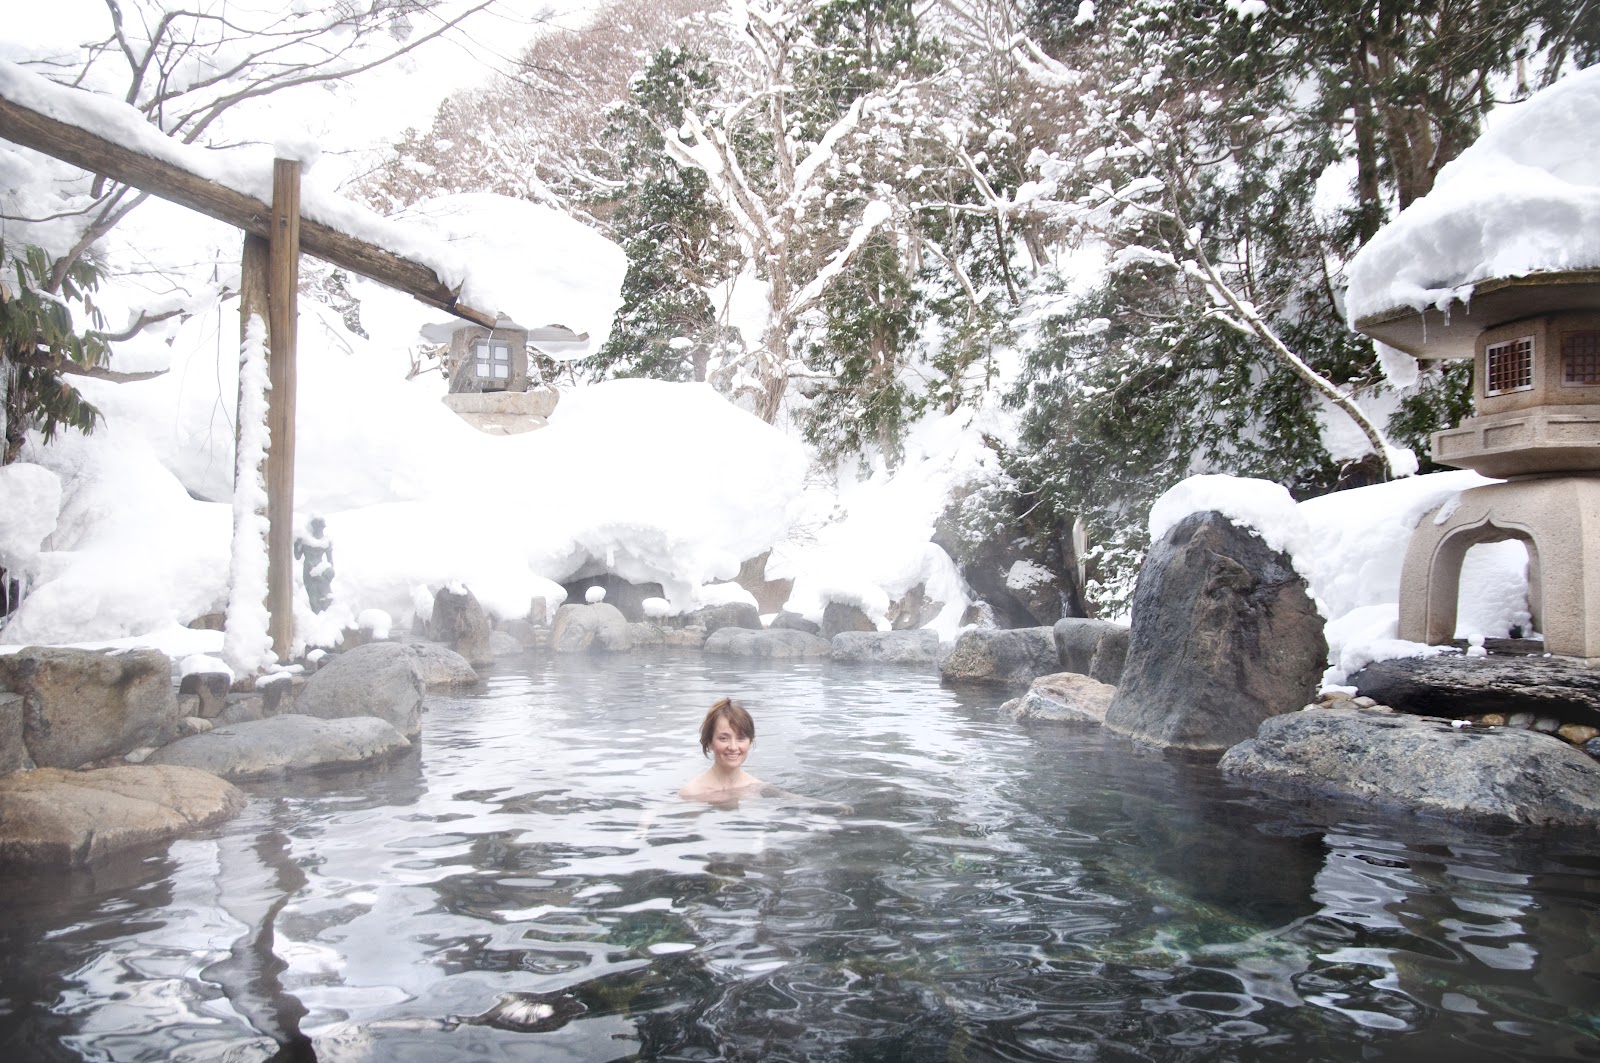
(526, 886)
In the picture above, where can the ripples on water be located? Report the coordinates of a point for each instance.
(1000, 892)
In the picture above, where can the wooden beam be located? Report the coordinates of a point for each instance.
(283, 308)
(60, 140)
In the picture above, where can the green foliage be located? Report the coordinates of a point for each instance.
(1441, 399)
(862, 46)
(675, 238)
(871, 314)
(37, 339)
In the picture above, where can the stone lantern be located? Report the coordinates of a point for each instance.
(491, 387)
(1535, 345)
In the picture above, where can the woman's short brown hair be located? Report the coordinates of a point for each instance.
(733, 712)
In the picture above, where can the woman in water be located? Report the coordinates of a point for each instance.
(726, 735)
(729, 730)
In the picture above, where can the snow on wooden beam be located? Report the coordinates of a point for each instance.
(61, 140)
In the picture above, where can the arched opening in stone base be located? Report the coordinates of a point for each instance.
(1550, 518)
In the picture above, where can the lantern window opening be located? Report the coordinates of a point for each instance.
(1580, 358)
(1509, 366)
(492, 360)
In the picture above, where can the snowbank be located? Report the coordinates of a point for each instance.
(867, 541)
(1524, 197)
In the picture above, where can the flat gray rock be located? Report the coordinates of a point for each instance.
(72, 818)
(1424, 764)
(887, 647)
(745, 642)
(1453, 685)
(282, 744)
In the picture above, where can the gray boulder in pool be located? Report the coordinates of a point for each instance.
(1224, 636)
(783, 642)
(1008, 657)
(459, 622)
(1423, 763)
(442, 667)
(919, 647)
(282, 744)
(382, 679)
(72, 818)
(729, 614)
(1090, 647)
(75, 706)
(1065, 697)
(581, 628)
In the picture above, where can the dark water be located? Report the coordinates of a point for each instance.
(999, 892)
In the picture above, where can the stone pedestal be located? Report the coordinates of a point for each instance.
(1553, 516)
(504, 412)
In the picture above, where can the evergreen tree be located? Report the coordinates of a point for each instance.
(40, 345)
(675, 236)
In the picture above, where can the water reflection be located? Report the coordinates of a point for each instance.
(526, 886)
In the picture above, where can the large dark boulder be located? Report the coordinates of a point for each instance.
(1453, 685)
(460, 623)
(887, 647)
(382, 679)
(1423, 764)
(1224, 636)
(72, 818)
(83, 705)
(1014, 657)
(1095, 648)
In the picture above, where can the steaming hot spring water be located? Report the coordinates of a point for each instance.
(525, 885)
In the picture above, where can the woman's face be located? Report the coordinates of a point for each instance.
(728, 746)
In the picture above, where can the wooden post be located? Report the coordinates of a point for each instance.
(283, 297)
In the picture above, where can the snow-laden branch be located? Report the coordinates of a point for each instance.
(876, 213)
(824, 150)
(1227, 305)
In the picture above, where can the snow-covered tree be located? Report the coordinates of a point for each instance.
(1211, 162)
(536, 128)
(786, 143)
